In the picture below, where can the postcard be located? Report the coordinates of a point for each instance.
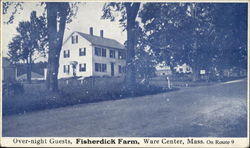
(124, 73)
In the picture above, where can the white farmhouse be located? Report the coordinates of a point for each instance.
(89, 55)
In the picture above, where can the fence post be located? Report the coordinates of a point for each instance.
(168, 83)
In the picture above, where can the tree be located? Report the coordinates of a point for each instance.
(55, 12)
(197, 34)
(58, 14)
(31, 39)
(200, 51)
(160, 24)
(128, 12)
(231, 32)
(144, 59)
(178, 33)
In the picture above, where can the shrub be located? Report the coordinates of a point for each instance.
(11, 88)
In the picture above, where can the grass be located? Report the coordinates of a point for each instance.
(36, 97)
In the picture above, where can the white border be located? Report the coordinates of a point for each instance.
(238, 142)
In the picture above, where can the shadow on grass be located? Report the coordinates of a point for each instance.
(36, 100)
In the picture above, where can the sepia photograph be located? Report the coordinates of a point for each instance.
(124, 69)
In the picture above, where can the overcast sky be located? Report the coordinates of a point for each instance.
(89, 15)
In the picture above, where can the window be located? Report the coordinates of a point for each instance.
(103, 52)
(120, 69)
(100, 51)
(100, 67)
(112, 53)
(66, 53)
(82, 51)
(66, 68)
(97, 67)
(74, 39)
(82, 67)
(121, 55)
(104, 68)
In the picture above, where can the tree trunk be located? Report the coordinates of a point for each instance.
(52, 32)
(28, 71)
(195, 74)
(55, 11)
(130, 75)
(130, 79)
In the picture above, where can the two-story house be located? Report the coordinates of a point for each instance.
(89, 55)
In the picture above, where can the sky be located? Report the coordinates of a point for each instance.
(89, 15)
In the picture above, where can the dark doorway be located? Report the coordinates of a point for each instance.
(112, 69)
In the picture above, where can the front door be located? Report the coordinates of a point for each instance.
(112, 69)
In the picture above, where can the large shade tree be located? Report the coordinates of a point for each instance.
(177, 33)
(58, 14)
(30, 40)
(231, 35)
(144, 61)
(128, 12)
(197, 34)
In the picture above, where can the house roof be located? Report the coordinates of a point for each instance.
(101, 41)
(33, 75)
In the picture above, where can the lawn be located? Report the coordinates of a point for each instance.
(218, 110)
(71, 92)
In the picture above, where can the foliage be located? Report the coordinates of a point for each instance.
(12, 88)
(114, 10)
(58, 14)
(144, 60)
(31, 38)
(71, 94)
(16, 6)
(197, 34)
(231, 35)
(173, 31)
(128, 12)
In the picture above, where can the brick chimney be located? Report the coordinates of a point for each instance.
(91, 30)
(101, 33)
